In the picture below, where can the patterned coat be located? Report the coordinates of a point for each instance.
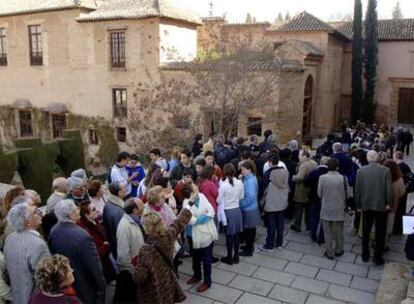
(157, 282)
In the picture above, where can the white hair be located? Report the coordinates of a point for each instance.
(22, 199)
(74, 182)
(337, 147)
(64, 209)
(81, 173)
(18, 215)
(60, 184)
(372, 156)
(293, 145)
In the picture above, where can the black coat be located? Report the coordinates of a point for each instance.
(77, 245)
(111, 217)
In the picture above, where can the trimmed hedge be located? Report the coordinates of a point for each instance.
(8, 165)
(36, 165)
(71, 155)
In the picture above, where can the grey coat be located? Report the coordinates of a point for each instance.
(373, 188)
(23, 251)
(277, 191)
(331, 190)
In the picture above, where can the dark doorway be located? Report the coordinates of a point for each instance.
(307, 107)
(406, 106)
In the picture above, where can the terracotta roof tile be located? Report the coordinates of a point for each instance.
(137, 9)
(402, 29)
(15, 7)
(303, 22)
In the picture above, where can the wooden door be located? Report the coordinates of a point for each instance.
(406, 106)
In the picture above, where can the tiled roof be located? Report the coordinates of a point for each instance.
(304, 47)
(402, 29)
(137, 9)
(265, 24)
(16, 7)
(302, 22)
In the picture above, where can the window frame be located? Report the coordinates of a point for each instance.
(122, 139)
(25, 123)
(120, 109)
(93, 138)
(255, 124)
(117, 49)
(3, 47)
(58, 130)
(36, 56)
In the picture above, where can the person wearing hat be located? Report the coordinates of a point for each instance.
(77, 190)
(81, 173)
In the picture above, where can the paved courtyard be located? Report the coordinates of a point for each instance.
(296, 274)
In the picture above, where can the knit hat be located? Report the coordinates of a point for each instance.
(74, 182)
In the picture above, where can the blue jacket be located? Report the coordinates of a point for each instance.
(141, 175)
(77, 245)
(112, 215)
(345, 165)
(312, 181)
(251, 193)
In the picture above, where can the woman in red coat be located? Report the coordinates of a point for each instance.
(93, 227)
(207, 186)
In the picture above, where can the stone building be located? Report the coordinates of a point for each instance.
(60, 58)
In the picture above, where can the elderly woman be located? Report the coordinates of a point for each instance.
(54, 278)
(88, 221)
(80, 173)
(21, 199)
(70, 240)
(96, 197)
(154, 272)
(5, 290)
(60, 190)
(77, 190)
(23, 250)
(156, 202)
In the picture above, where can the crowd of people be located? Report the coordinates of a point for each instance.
(135, 228)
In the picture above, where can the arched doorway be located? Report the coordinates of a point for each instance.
(307, 107)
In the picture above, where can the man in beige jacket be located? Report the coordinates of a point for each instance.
(301, 195)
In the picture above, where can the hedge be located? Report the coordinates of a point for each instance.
(8, 165)
(71, 155)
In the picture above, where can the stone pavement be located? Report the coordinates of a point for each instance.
(296, 274)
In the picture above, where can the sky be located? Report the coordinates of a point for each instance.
(267, 10)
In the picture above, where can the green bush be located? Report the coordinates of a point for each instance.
(109, 147)
(71, 155)
(36, 161)
(8, 165)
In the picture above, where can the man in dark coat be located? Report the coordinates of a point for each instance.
(312, 181)
(373, 195)
(185, 162)
(76, 244)
(113, 213)
(345, 162)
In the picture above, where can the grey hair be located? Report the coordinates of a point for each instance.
(337, 147)
(22, 199)
(64, 209)
(80, 173)
(293, 145)
(272, 139)
(114, 188)
(18, 215)
(74, 182)
(60, 184)
(372, 156)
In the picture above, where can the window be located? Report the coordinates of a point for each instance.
(26, 128)
(117, 44)
(35, 43)
(121, 134)
(119, 99)
(3, 52)
(254, 126)
(58, 125)
(93, 137)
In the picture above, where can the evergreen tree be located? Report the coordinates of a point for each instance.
(357, 62)
(249, 18)
(288, 16)
(371, 61)
(279, 18)
(397, 12)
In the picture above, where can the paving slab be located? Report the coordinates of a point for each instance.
(317, 262)
(193, 298)
(310, 249)
(365, 284)
(221, 276)
(266, 261)
(350, 295)
(251, 285)
(288, 295)
(349, 268)
(248, 298)
(300, 269)
(241, 268)
(274, 276)
(220, 293)
(334, 277)
(311, 285)
(315, 299)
